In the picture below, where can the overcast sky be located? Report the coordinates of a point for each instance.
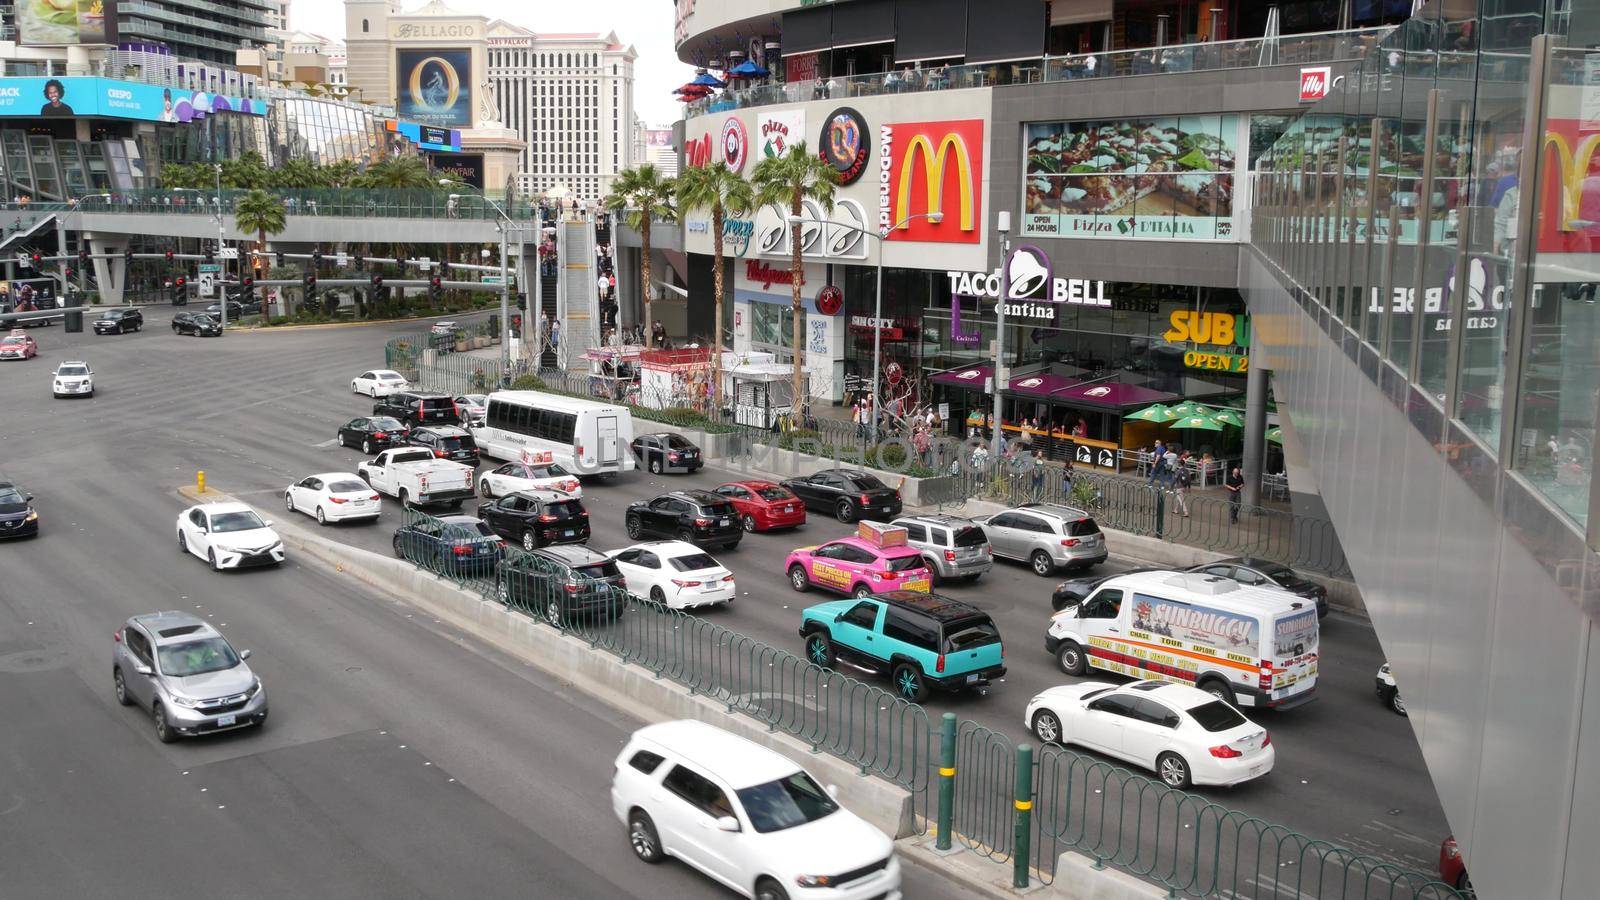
(646, 24)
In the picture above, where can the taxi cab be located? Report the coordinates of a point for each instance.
(875, 560)
(18, 345)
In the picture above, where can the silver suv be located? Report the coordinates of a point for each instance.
(186, 675)
(953, 547)
(1046, 537)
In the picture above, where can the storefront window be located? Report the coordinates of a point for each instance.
(771, 326)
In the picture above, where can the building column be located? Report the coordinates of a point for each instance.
(110, 274)
(1255, 433)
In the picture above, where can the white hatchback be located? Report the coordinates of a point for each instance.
(745, 816)
(676, 574)
(379, 383)
(1183, 734)
(333, 497)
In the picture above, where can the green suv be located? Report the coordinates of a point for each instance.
(921, 641)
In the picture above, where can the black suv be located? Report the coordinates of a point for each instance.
(447, 442)
(699, 517)
(847, 494)
(235, 310)
(537, 518)
(414, 408)
(197, 324)
(666, 451)
(119, 321)
(562, 583)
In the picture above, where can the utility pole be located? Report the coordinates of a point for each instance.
(1003, 225)
(222, 262)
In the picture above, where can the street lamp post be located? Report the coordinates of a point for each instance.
(222, 263)
(505, 287)
(1003, 225)
(877, 304)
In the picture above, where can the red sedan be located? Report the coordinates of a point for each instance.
(1453, 867)
(763, 506)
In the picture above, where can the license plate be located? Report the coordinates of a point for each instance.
(1257, 770)
(358, 502)
(225, 721)
(921, 584)
(972, 679)
(723, 521)
(788, 509)
(567, 533)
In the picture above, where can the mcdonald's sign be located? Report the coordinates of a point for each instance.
(1569, 196)
(931, 167)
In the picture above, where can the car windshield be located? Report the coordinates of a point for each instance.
(73, 370)
(1278, 573)
(470, 531)
(864, 481)
(348, 487)
(967, 635)
(10, 494)
(694, 562)
(775, 493)
(196, 657)
(384, 423)
(904, 563)
(474, 399)
(785, 803)
(245, 520)
(606, 569)
(13, 341)
(202, 320)
(553, 470)
(1217, 716)
(970, 536)
(716, 509)
(390, 376)
(676, 442)
(564, 509)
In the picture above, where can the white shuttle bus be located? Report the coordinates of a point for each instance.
(586, 436)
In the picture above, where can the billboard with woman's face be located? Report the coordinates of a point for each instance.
(434, 87)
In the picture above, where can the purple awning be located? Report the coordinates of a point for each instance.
(1042, 385)
(972, 378)
(1113, 395)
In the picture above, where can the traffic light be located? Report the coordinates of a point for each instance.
(359, 261)
(435, 288)
(280, 259)
(127, 256)
(169, 256)
(34, 259)
(316, 259)
(377, 280)
(211, 255)
(83, 257)
(180, 291)
(247, 289)
(67, 272)
(522, 302)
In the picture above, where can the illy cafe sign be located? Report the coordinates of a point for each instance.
(1032, 282)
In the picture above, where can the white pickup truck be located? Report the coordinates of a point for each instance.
(416, 478)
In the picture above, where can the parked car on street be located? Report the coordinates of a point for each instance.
(1046, 537)
(377, 383)
(181, 670)
(868, 563)
(1388, 690)
(333, 497)
(537, 518)
(374, 433)
(675, 574)
(119, 321)
(72, 379)
(697, 517)
(564, 584)
(228, 536)
(1263, 573)
(458, 545)
(953, 547)
(540, 474)
(920, 641)
(746, 817)
(1183, 734)
(197, 324)
(846, 494)
(666, 451)
(763, 505)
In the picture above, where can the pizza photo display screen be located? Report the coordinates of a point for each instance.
(1168, 178)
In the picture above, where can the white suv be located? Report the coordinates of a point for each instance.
(746, 816)
(72, 379)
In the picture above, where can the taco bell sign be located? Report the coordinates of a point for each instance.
(1031, 279)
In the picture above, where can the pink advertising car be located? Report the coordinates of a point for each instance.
(875, 560)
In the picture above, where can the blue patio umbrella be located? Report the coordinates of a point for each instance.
(706, 79)
(748, 69)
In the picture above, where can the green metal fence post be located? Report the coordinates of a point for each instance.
(1024, 821)
(947, 780)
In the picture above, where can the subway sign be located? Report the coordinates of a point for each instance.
(1217, 335)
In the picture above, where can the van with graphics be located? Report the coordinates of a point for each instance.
(1249, 646)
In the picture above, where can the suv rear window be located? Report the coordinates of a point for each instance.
(1081, 527)
(969, 634)
(676, 442)
(458, 442)
(971, 536)
(716, 509)
(438, 403)
(600, 570)
(904, 563)
(1216, 716)
(563, 509)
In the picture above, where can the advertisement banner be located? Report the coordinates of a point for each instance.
(1195, 624)
(434, 87)
(54, 23)
(428, 137)
(931, 167)
(777, 131)
(466, 166)
(74, 96)
(1161, 178)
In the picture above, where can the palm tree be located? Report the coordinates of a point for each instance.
(789, 180)
(400, 173)
(721, 190)
(640, 197)
(262, 213)
(249, 172)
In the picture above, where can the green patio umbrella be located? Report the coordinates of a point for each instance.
(1190, 408)
(1227, 417)
(1199, 423)
(1156, 413)
(1275, 435)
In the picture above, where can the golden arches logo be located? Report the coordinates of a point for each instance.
(452, 85)
(1573, 171)
(933, 163)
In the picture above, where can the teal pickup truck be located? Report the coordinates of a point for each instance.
(921, 641)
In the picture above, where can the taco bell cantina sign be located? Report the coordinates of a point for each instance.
(1032, 279)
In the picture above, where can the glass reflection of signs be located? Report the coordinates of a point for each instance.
(932, 167)
(1569, 182)
(958, 333)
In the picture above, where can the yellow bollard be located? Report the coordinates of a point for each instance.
(200, 482)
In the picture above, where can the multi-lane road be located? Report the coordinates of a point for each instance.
(258, 410)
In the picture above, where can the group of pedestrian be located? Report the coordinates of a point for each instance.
(1172, 468)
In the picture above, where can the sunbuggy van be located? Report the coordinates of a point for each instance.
(1250, 646)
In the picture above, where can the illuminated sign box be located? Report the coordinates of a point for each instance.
(107, 98)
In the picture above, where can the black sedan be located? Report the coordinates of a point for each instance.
(1075, 590)
(119, 321)
(17, 515)
(698, 517)
(666, 451)
(537, 518)
(373, 433)
(197, 324)
(453, 545)
(847, 494)
(1261, 573)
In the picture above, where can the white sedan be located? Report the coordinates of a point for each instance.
(676, 574)
(535, 476)
(378, 383)
(229, 536)
(332, 497)
(1183, 734)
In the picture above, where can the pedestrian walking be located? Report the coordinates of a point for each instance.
(1158, 458)
(1169, 465)
(1038, 473)
(1181, 484)
(1235, 486)
(555, 334)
